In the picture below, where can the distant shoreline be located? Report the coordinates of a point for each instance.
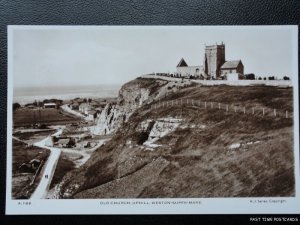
(29, 95)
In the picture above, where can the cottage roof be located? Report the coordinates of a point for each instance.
(34, 160)
(49, 104)
(92, 112)
(231, 64)
(63, 141)
(85, 105)
(182, 63)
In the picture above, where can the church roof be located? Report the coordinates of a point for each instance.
(182, 63)
(231, 64)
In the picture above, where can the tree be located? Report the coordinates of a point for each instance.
(71, 143)
(259, 78)
(286, 78)
(271, 78)
(16, 106)
(250, 76)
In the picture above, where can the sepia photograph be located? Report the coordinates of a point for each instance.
(136, 117)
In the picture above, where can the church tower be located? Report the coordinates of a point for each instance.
(214, 58)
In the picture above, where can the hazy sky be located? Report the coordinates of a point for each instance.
(113, 55)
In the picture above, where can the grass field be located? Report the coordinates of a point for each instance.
(34, 136)
(27, 117)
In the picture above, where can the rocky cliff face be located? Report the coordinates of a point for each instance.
(132, 95)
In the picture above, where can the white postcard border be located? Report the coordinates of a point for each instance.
(282, 205)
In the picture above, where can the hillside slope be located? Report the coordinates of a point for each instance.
(173, 150)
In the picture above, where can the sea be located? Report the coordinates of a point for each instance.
(30, 94)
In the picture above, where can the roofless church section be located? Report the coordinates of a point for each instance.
(214, 66)
(184, 70)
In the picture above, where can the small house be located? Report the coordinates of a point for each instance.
(74, 106)
(232, 67)
(63, 143)
(35, 163)
(30, 106)
(86, 144)
(92, 114)
(84, 108)
(50, 105)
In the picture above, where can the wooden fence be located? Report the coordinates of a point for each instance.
(236, 108)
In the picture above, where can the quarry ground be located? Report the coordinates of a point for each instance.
(211, 153)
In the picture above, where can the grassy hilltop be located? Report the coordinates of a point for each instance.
(213, 153)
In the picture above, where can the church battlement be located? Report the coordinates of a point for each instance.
(222, 45)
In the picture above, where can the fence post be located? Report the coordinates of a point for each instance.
(286, 114)
(263, 111)
(219, 105)
(227, 107)
(253, 110)
(234, 108)
(211, 104)
(275, 112)
(244, 110)
(205, 104)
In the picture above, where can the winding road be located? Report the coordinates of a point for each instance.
(48, 171)
(43, 187)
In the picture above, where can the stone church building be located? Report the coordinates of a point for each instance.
(214, 66)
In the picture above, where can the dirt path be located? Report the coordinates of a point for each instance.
(85, 154)
(67, 109)
(41, 190)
